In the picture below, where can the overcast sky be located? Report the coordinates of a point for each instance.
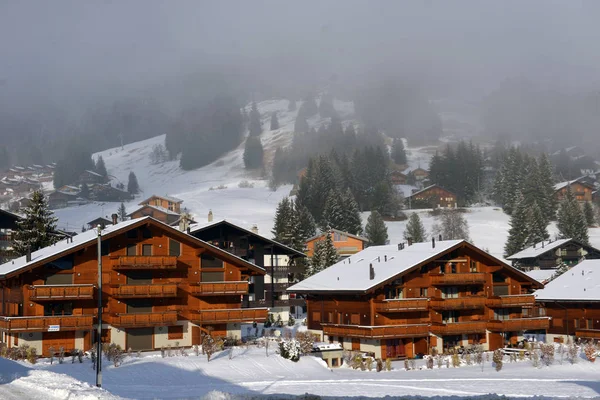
(61, 51)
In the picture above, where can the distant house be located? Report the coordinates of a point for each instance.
(581, 190)
(551, 254)
(103, 222)
(60, 199)
(433, 196)
(159, 213)
(106, 192)
(398, 178)
(345, 243)
(90, 177)
(420, 174)
(169, 202)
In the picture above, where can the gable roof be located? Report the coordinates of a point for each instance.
(539, 249)
(429, 187)
(103, 220)
(168, 198)
(541, 275)
(320, 234)
(205, 226)
(564, 184)
(157, 208)
(580, 283)
(352, 274)
(93, 173)
(89, 237)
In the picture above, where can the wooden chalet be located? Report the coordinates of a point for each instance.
(551, 254)
(278, 260)
(398, 178)
(345, 243)
(572, 301)
(169, 202)
(160, 286)
(161, 214)
(398, 301)
(420, 174)
(60, 199)
(89, 178)
(106, 192)
(101, 221)
(581, 190)
(433, 196)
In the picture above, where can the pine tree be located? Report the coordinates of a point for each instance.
(84, 191)
(546, 184)
(571, 219)
(301, 125)
(375, 230)
(255, 127)
(518, 234)
(101, 169)
(398, 152)
(537, 225)
(122, 212)
(133, 186)
(274, 121)
(588, 211)
(330, 253)
(333, 215)
(351, 214)
(281, 227)
(325, 254)
(415, 230)
(292, 105)
(37, 229)
(305, 222)
(253, 153)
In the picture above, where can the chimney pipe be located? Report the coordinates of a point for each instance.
(189, 230)
(433, 243)
(210, 216)
(114, 218)
(28, 254)
(371, 272)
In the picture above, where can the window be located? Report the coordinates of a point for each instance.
(146, 249)
(590, 323)
(449, 317)
(450, 292)
(501, 314)
(59, 279)
(175, 332)
(104, 248)
(330, 317)
(316, 316)
(576, 323)
(62, 308)
(501, 290)
(473, 267)
(132, 234)
(174, 248)
(474, 291)
(335, 362)
(209, 261)
(423, 292)
(393, 293)
(216, 276)
(132, 250)
(452, 268)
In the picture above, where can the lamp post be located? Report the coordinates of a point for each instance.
(99, 327)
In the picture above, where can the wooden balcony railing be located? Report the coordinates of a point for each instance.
(61, 292)
(394, 305)
(145, 262)
(458, 279)
(218, 288)
(224, 316)
(42, 324)
(143, 319)
(511, 301)
(518, 324)
(373, 332)
(588, 333)
(144, 291)
(459, 303)
(457, 328)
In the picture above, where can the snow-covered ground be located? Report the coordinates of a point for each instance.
(253, 374)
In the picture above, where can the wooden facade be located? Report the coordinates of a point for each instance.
(433, 196)
(398, 178)
(345, 243)
(167, 202)
(159, 213)
(552, 254)
(458, 297)
(581, 191)
(155, 280)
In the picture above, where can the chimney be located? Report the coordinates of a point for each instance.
(254, 229)
(28, 254)
(433, 243)
(210, 216)
(385, 257)
(409, 240)
(189, 230)
(371, 272)
(114, 218)
(440, 237)
(184, 223)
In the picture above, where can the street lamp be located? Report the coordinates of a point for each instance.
(99, 327)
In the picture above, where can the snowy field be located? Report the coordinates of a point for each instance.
(251, 374)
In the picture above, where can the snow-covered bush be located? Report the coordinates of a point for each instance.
(547, 353)
(535, 358)
(61, 355)
(591, 352)
(479, 356)
(388, 364)
(209, 346)
(162, 352)
(80, 356)
(379, 365)
(413, 364)
(439, 360)
(468, 359)
(369, 363)
(290, 349)
(245, 184)
(455, 360)
(196, 350)
(73, 355)
(291, 321)
(406, 367)
(497, 359)
(430, 362)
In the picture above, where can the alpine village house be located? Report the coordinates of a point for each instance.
(552, 254)
(396, 301)
(160, 286)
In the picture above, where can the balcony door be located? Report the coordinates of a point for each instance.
(59, 279)
(139, 278)
(139, 306)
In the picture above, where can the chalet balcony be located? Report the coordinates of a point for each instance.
(457, 328)
(518, 324)
(395, 305)
(144, 262)
(143, 319)
(61, 292)
(218, 288)
(42, 323)
(376, 332)
(471, 278)
(588, 333)
(144, 291)
(225, 316)
(459, 303)
(511, 301)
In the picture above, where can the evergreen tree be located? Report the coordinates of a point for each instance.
(283, 216)
(37, 229)
(308, 108)
(292, 105)
(588, 211)
(325, 254)
(398, 152)
(546, 184)
(537, 225)
(415, 230)
(84, 191)
(122, 212)
(375, 230)
(305, 222)
(255, 127)
(101, 169)
(133, 186)
(571, 219)
(452, 225)
(274, 121)
(301, 125)
(333, 214)
(253, 153)
(518, 234)
(384, 200)
(351, 214)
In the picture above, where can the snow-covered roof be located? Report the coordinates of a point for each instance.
(321, 233)
(562, 185)
(158, 208)
(93, 173)
(90, 236)
(168, 198)
(352, 274)
(538, 249)
(427, 188)
(580, 283)
(541, 275)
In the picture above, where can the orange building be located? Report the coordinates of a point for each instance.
(168, 202)
(398, 301)
(581, 190)
(160, 286)
(345, 243)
